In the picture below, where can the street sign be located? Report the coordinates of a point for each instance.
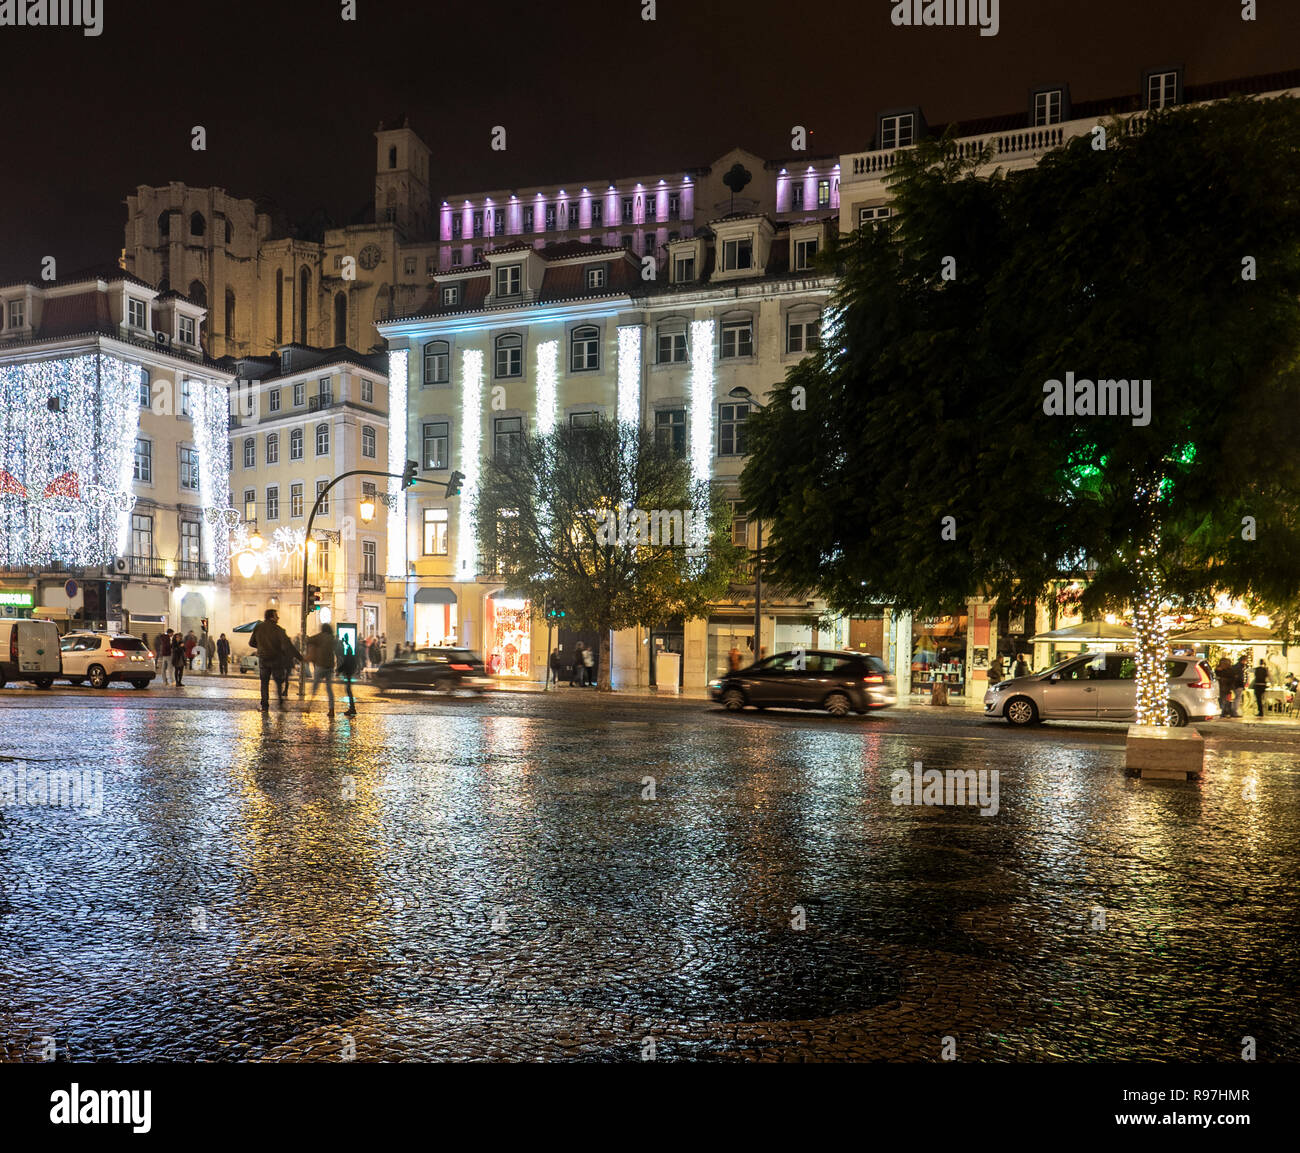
(71, 589)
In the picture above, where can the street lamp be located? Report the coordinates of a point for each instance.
(367, 508)
(740, 392)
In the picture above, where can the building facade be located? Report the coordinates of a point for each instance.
(114, 466)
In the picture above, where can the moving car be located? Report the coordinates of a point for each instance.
(1101, 687)
(248, 663)
(29, 651)
(103, 657)
(839, 682)
(440, 669)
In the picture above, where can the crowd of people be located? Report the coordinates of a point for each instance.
(580, 667)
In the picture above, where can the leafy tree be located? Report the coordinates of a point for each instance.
(930, 400)
(548, 520)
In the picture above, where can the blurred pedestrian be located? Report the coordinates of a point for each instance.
(733, 660)
(347, 669)
(589, 666)
(164, 656)
(1240, 674)
(1022, 666)
(223, 653)
(383, 648)
(996, 673)
(1223, 673)
(191, 643)
(322, 653)
(178, 662)
(555, 664)
(579, 669)
(275, 656)
(209, 652)
(1260, 685)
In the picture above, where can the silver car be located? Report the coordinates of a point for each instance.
(1101, 687)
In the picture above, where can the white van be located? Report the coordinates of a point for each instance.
(29, 651)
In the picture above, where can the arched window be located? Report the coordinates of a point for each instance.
(198, 293)
(230, 232)
(295, 444)
(437, 357)
(322, 440)
(230, 314)
(671, 342)
(198, 226)
(510, 355)
(584, 348)
(367, 441)
(279, 306)
(272, 448)
(164, 224)
(340, 318)
(164, 286)
(304, 287)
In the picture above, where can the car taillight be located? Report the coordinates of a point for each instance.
(462, 668)
(149, 655)
(875, 679)
(116, 653)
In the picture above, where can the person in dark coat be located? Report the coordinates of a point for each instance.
(1260, 684)
(1224, 674)
(223, 653)
(191, 643)
(1240, 675)
(556, 664)
(322, 651)
(178, 662)
(579, 670)
(164, 656)
(1022, 666)
(347, 669)
(276, 654)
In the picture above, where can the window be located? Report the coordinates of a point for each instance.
(437, 359)
(649, 243)
(451, 296)
(436, 443)
(368, 561)
(731, 429)
(197, 225)
(823, 193)
(510, 355)
(498, 222)
(684, 269)
(805, 253)
(321, 486)
(573, 216)
(17, 313)
(272, 448)
(478, 256)
(672, 343)
(392, 157)
(273, 400)
(322, 440)
(670, 430)
(628, 241)
(145, 397)
(250, 504)
(528, 218)
(295, 444)
(190, 468)
(739, 525)
(508, 433)
(143, 468)
(435, 532)
(652, 208)
(273, 503)
(191, 548)
(367, 391)
(137, 313)
(584, 419)
(674, 205)
(627, 210)
(250, 452)
(796, 195)
(584, 349)
(508, 279)
(186, 409)
(896, 131)
(550, 218)
(141, 536)
(295, 499)
(596, 277)
(803, 335)
(456, 226)
(737, 339)
(873, 216)
(324, 392)
(1047, 108)
(367, 441)
(1162, 89)
(299, 394)
(408, 264)
(595, 213)
(185, 329)
(738, 254)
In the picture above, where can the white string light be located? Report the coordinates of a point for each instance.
(1148, 620)
(398, 393)
(471, 407)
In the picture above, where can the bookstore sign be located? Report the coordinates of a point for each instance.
(16, 599)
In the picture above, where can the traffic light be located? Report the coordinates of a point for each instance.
(408, 475)
(454, 482)
(555, 611)
(313, 598)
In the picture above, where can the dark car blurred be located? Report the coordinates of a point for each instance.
(839, 682)
(440, 669)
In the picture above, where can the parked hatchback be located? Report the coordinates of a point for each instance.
(440, 669)
(839, 682)
(1101, 687)
(103, 657)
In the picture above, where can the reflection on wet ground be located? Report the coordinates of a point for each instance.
(477, 881)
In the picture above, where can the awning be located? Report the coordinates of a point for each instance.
(435, 597)
(508, 595)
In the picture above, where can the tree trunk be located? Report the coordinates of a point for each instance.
(602, 681)
(1152, 637)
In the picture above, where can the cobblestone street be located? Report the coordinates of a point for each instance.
(493, 879)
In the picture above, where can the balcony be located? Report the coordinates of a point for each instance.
(375, 581)
(155, 568)
(321, 403)
(1021, 144)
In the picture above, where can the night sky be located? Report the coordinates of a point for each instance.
(290, 94)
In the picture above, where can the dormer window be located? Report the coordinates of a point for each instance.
(185, 329)
(17, 313)
(451, 296)
(1162, 89)
(897, 131)
(137, 313)
(805, 254)
(509, 279)
(1047, 107)
(683, 269)
(596, 277)
(738, 254)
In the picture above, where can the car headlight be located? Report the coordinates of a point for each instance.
(715, 684)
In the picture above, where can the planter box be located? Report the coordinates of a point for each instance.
(1163, 753)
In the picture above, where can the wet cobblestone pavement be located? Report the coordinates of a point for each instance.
(466, 879)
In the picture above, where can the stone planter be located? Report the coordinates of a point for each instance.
(1162, 753)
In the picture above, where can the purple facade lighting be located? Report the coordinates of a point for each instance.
(688, 200)
(783, 191)
(444, 223)
(515, 217)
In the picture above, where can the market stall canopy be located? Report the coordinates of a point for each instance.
(1229, 634)
(248, 628)
(1088, 631)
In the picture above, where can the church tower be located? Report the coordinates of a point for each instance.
(402, 180)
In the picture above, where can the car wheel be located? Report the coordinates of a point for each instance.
(1020, 711)
(838, 705)
(42, 682)
(733, 700)
(443, 685)
(98, 677)
(1177, 716)
(140, 683)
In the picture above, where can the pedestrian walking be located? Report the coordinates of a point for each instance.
(1260, 685)
(347, 670)
(1022, 666)
(579, 670)
(164, 657)
(276, 654)
(555, 664)
(191, 643)
(589, 666)
(1240, 674)
(996, 675)
(733, 660)
(322, 651)
(209, 652)
(178, 663)
(223, 653)
(383, 648)
(1223, 673)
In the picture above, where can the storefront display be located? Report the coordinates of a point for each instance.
(939, 655)
(509, 635)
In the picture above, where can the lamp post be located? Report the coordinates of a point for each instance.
(740, 392)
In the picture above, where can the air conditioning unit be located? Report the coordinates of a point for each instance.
(120, 565)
